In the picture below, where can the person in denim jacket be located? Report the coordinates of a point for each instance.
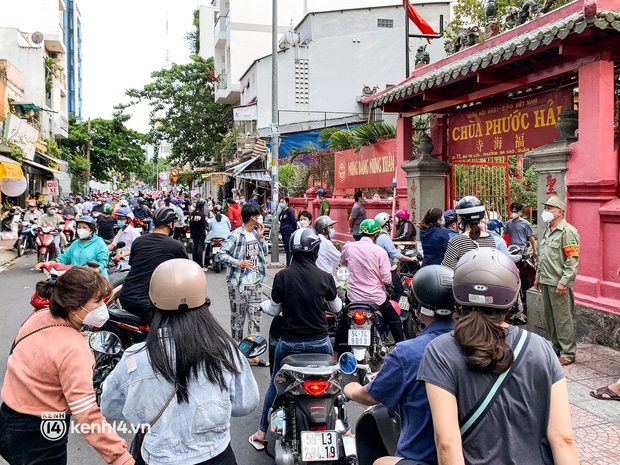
(186, 350)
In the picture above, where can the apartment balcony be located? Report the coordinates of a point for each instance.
(60, 128)
(221, 30)
(55, 42)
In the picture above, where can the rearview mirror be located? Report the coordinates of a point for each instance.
(120, 245)
(253, 346)
(342, 274)
(105, 342)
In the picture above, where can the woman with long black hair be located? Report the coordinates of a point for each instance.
(187, 380)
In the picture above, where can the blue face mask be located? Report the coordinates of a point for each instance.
(364, 199)
(282, 205)
(332, 233)
(443, 221)
(241, 201)
(98, 203)
(120, 224)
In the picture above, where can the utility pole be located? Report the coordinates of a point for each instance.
(88, 156)
(275, 138)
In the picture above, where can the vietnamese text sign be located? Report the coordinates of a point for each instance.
(52, 187)
(248, 113)
(506, 128)
(21, 133)
(373, 166)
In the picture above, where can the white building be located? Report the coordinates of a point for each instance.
(207, 18)
(340, 52)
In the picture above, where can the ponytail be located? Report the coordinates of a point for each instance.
(482, 341)
(218, 217)
(474, 229)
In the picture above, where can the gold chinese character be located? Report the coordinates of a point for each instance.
(519, 141)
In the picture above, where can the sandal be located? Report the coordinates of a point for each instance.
(256, 444)
(260, 363)
(604, 393)
(565, 361)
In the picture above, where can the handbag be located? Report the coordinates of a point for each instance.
(484, 404)
(135, 448)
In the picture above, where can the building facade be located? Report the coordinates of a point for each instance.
(72, 22)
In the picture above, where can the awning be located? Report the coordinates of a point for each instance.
(256, 176)
(241, 166)
(41, 167)
(9, 168)
(26, 106)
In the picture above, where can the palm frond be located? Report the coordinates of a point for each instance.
(326, 134)
(341, 140)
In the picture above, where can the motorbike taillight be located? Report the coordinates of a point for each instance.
(359, 318)
(316, 388)
(408, 281)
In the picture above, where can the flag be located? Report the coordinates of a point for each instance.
(421, 24)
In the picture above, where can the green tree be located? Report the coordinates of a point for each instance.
(184, 112)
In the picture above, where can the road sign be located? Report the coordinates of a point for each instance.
(161, 180)
(174, 178)
(52, 186)
(274, 129)
(162, 175)
(174, 172)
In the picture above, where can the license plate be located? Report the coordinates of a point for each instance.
(404, 303)
(139, 230)
(319, 446)
(359, 337)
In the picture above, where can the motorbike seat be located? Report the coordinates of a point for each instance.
(117, 278)
(126, 317)
(373, 307)
(304, 360)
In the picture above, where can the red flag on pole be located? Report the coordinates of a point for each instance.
(415, 17)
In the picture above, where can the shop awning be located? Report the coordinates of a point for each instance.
(9, 168)
(237, 169)
(41, 167)
(26, 106)
(256, 176)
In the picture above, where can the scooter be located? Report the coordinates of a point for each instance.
(307, 418)
(25, 238)
(186, 239)
(216, 245)
(69, 228)
(376, 434)
(46, 250)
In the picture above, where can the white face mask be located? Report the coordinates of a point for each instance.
(304, 224)
(260, 220)
(515, 216)
(547, 216)
(96, 317)
(83, 233)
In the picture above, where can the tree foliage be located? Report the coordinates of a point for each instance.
(293, 179)
(183, 111)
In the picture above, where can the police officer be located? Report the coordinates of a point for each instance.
(557, 269)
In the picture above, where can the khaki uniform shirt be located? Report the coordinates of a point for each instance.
(558, 258)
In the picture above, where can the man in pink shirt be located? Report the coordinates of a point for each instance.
(370, 273)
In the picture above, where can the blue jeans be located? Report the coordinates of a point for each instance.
(322, 346)
(150, 223)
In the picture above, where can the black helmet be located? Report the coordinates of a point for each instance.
(486, 277)
(322, 224)
(304, 240)
(141, 201)
(432, 286)
(449, 216)
(164, 216)
(470, 208)
(320, 192)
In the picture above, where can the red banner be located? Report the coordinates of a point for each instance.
(506, 128)
(373, 166)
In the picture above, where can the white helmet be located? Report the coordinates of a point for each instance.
(382, 218)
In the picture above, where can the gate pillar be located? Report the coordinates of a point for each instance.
(426, 181)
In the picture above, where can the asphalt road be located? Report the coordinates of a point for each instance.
(17, 284)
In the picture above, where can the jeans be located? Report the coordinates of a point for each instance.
(150, 223)
(357, 237)
(57, 246)
(322, 346)
(22, 443)
(286, 240)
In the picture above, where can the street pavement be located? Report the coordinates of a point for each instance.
(596, 423)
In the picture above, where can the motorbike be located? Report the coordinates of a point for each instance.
(11, 219)
(376, 434)
(46, 250)
(307, 418)
(25, 238)
(186, 239)
(141, 226)
(69, 228)
(216, 245)
(412, 326)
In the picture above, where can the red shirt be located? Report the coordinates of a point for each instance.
(234, 214)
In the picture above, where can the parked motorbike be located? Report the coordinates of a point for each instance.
(216, 245)
(69, 228)
(46, 250)
(307, 418)
(11, 219)
(25, 238)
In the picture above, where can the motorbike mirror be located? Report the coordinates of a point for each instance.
(347, 363)
(342, 274)
(92, 264)
(120, 245)
(105, 342)
(253, 346)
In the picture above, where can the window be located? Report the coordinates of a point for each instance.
(302, 81)
(385, 23)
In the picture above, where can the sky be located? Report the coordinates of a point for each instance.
(122, 43)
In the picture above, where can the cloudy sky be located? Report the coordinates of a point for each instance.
(123, 42)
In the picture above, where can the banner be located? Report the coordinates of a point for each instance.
(506, 128)
(373, 166)
(21, 133)
(52, 187)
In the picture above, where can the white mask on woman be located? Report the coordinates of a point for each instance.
(96, 317)
(304, 224)
(83, 233)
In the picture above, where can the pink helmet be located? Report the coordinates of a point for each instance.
(404, 214)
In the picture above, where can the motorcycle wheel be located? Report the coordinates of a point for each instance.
(217, 266)
(44, 257)
(21, 247)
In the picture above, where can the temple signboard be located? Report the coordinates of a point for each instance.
(373, 166)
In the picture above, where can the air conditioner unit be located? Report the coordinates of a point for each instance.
(55, 55)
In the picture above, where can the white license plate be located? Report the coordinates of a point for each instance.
(139, 230)
(359, 337)
(403, 302)
(319, 446)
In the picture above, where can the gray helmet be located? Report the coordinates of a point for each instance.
(164, 216)
(486, 277)
(432, 286)
(322, 224)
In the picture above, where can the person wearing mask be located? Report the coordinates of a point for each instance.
(141, 214)
(198, 233)
(234, 214)
(433, 237)
(106, 223)
(241, 201)
(88, 247)
(404, 229)
(179, 226)
(470, 211)
(519, 230)
(31, 215)
(147, 252)
(244, 253)
(329, 255)
(50, 369)
(450, 223)
(304, 220)
(288, 225)
(299, 292)
(324, 208)
(358, 214)
(127, 234)
(87, 206)
(396, 387)
(254, 199)
(555, 276)
(496, 229)
(370, 273)
(69, 209)
(219, 228)
(385, 242)
(52, 219)
(79, 206)
(188, 378)
(98, 207)
(497, 393)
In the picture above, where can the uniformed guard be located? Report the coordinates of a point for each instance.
(557, 268)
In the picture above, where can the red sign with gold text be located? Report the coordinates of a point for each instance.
(373, 166)
(506, 127)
